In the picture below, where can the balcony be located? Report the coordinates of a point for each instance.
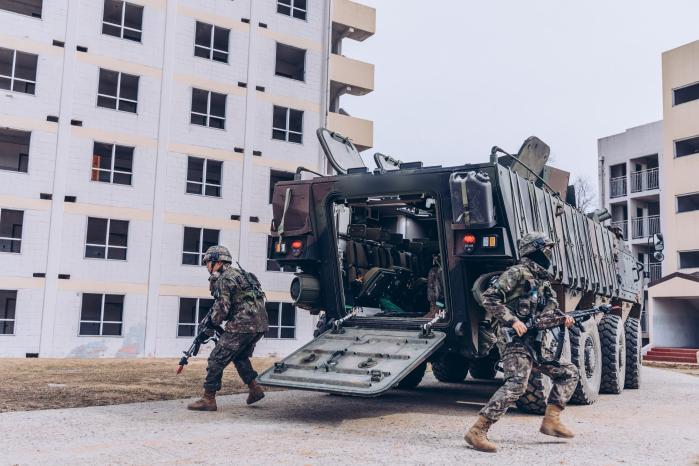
(623, 226)
(353, 20)
(360, 131)
(351, 76)
(642, 227)
(645, 180)
(654, 270)
(617, 187)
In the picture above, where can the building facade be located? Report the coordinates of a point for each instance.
(629, 187)
(133, 135)
(648, 181)
(674, 300)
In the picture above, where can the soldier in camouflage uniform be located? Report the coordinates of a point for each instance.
(521, 293)
(239, 300)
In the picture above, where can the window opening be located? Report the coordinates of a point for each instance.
(192, 310)
(18, 71)
(106, 238)
(208, 109)
(287, 124)
(14, 150)
(290, 62)
(11, 222)
(211, 42)
(112, 163)
(123, 20)
(118, 91)
(101, 314)
(282, 320)
(195, 243)
(204, 176)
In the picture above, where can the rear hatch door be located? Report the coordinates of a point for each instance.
(357, 361)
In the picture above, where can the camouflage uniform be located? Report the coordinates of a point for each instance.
(246, 323)
(435, 289)
(520, 293)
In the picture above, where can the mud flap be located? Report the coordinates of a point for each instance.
(361, 362)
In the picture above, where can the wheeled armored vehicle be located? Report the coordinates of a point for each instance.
(394, 260)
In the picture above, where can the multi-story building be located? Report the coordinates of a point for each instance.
(648, 181)
(674, 300)
(134, 135)
(629, 187)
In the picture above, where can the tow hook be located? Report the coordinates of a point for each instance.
(427, 328)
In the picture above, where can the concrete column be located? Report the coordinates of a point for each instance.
(50, 307)
(160, 182)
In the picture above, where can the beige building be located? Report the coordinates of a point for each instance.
(674, 299)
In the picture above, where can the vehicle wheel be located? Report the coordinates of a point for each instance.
(484, 368)
(613, 354)
(414, 378)
(586, 354)
(450, 367)
(534, 399)
(632, 330)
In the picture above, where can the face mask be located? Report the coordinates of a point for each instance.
(543, 258)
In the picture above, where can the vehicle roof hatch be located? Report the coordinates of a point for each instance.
(354, 360)
(339, 150)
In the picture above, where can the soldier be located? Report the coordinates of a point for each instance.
(240, 301)
(519, 294)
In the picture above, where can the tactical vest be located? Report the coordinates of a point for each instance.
(247, 285)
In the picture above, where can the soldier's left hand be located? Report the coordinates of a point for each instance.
(569, 321)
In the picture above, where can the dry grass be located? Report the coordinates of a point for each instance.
(28, 384)
(692, 369)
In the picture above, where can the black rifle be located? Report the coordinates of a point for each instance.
(532, 339)
(201, 338)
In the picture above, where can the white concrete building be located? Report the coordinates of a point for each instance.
(629, 187)
(649, 181)
(133, 135)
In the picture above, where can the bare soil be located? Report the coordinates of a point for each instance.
(29, 384)
(692, 369)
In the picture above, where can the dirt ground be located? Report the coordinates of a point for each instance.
(30, 384)
(692, 369)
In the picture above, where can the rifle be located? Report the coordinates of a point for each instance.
(200, 339)
(532, 339)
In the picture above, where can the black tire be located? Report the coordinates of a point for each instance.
(613, 354)
(534, 399)
(414, 378)
(632, 331)
(450, 368)
(586, 354)
(484, 368)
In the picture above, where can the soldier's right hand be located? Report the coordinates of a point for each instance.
(520, 328)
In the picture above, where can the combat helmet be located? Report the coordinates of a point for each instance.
(217, 253)
(534, 241)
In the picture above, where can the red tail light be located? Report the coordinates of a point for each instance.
(469, 239)
(296, 244)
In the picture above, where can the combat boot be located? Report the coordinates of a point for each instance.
(205, 403)
(256, 393)
(477, 435)
(551, 425)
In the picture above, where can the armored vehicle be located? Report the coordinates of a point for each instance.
(394, 261)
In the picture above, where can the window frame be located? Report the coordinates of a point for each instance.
(41, 12)
(276, 55)
(677, 202)
(12, 76)
(272, 172)
(292, 6)
(123, 26)
(287, 120)
(13, 239)
(102, 321)
(278, 325)
(211, 49)
(679, 259)
(118, 97)
(29, 146)
(674, 146)
(201, 245)
(111, 169)
(208, 115)
(203, 184)
(14, 319)
(197, 316)
(679, 88)
(106, 244)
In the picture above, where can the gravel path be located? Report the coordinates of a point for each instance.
(658, 424)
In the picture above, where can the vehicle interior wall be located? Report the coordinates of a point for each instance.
(387, 247)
